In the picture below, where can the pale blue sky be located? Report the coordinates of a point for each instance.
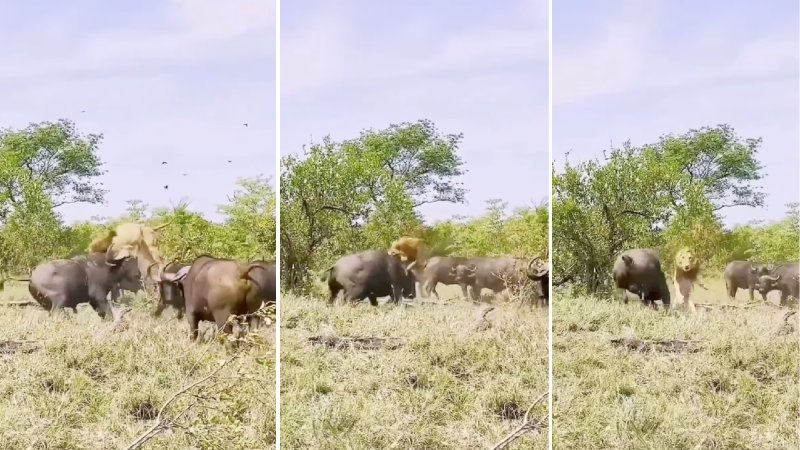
(476, 67)
(162, 80)
(637, 70)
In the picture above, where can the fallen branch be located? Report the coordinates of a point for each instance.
(526, 427)
(163, 423)
(19, 303)
(356, 343)
(666, 346)
(723, 306)
(10, 347)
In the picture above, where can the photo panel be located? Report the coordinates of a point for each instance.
(137, 225)
(414, 225)
(675, 225)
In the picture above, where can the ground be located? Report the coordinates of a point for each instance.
(738, 390)
(441, 382)
(72, 382)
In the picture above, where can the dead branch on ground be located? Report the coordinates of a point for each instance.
(526, 427)
(665, 346)
(356, 343)
(163, 422)
(19, 303)
(11, 347)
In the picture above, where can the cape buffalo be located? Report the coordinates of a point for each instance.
(65, 283)
(539, 271)
(489, 273)
(216, 288)
(686, 274)
(439, 269)
(743, 275)
(264, 276)
(784, 278)
(639, 272)
(169, 292)
(370, 274)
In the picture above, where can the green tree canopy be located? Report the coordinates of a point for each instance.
(664, 195)
(362, 193)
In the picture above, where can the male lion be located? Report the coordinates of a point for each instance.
(686, 275)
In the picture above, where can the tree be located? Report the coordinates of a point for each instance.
(54, 156)
(250, 219)
(665, 195)
(361, 193)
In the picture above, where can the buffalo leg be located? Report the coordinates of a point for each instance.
(194, 321)
(180, 314)
(784, 296)
(476, 292)
(373, 300)
(732, 291)
(159, 309)
(464, 292)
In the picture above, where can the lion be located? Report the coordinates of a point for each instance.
(686, 274)
(132, 240)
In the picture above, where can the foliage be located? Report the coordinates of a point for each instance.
(55, 157)
(523, 233)
(665, 196)
(362, 193)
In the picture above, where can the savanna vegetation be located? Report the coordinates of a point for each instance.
(74, 381)
(629, 377)
(435, 374)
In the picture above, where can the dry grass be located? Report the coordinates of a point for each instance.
(445, 381)
(83, 386)
(739, 391)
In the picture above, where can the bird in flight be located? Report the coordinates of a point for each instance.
(166, 186)
(245, 124)
(163, 162)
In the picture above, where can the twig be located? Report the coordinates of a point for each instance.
(160, 421)
(522, 429)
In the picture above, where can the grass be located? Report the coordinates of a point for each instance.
(82, 386)
(740, 391)
(445, 386)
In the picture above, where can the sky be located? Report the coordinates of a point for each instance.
(170, 81)
(629, 70)
(475, 69)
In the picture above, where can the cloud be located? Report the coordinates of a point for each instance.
(627, 56)
(192, 30)
(330, 49)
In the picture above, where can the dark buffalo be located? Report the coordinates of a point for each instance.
(489, 273)
(439, 269)
(170, 293)
(132, 282)
(370, 274)
(539, 271)
(264, 276)
(65, 283)
(743, 275)
(784, 278)
(214, 289)
(639, 272)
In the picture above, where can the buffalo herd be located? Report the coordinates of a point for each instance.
(206, 289)
(638, 274)
(405, 271)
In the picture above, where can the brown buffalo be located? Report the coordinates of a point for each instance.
(215, 289)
